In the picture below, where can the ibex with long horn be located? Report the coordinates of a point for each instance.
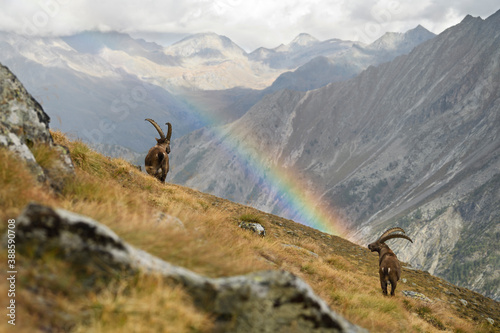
(389, 266)
(156, 161)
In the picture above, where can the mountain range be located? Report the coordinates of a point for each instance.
(322, 69)
(412, 143)
(100, 86)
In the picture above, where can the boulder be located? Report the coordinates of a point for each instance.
(254, 227)
(23, 124)
(266, 301)
(416, 295)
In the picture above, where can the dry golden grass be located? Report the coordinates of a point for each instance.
(130, 202)
(44, 155)
(18, 186)
(144, 304)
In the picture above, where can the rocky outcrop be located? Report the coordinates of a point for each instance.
(254, 227)
(267, 301)
(23, 121)
(24, 124)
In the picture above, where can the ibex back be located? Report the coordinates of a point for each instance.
(156, 161)
(389, 266)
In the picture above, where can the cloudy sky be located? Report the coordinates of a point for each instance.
(249, 23)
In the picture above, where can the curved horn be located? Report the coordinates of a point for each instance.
(386, 238)
(169, 131)
(390, 231)
(162, 136)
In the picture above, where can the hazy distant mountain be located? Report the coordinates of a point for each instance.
(413, 142)
(207, 46)
(301, 49)
(403, 42)
(94, 42)
(350, 62)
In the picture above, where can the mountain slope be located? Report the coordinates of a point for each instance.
(203, 236)
(398, 145)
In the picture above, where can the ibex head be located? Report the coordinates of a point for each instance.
(389, 266)
(388, 234)
(162, 140)
(156, 161)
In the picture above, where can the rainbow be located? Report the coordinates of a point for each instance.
(294, 200)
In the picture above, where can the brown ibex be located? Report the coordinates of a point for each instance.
(389, 266)
(156, 161)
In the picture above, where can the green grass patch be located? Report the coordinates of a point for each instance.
(252, 218)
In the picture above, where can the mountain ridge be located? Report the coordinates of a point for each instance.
(393, 40)
(344, 65)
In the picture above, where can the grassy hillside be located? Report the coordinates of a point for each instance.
(53, 295)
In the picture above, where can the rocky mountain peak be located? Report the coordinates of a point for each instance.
(207, 44)
(470, 18)
(394, 40)
(303, 39)
(419, 32)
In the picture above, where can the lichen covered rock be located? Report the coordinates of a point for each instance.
(24, 124)
(254, 227)
(22, 119)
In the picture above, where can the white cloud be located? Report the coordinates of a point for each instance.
(249, 23)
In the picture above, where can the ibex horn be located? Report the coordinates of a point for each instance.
(169, 131)
(390, 231)
(386, 238)
(162, 136)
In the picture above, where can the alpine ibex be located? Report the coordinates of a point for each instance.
(156, 161)
(389, 266)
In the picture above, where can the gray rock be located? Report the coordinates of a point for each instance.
(416, 295)
(22, 120)
(20, 113)
(169, 220)
(23, 123)
(253, 226)
(267, 301)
